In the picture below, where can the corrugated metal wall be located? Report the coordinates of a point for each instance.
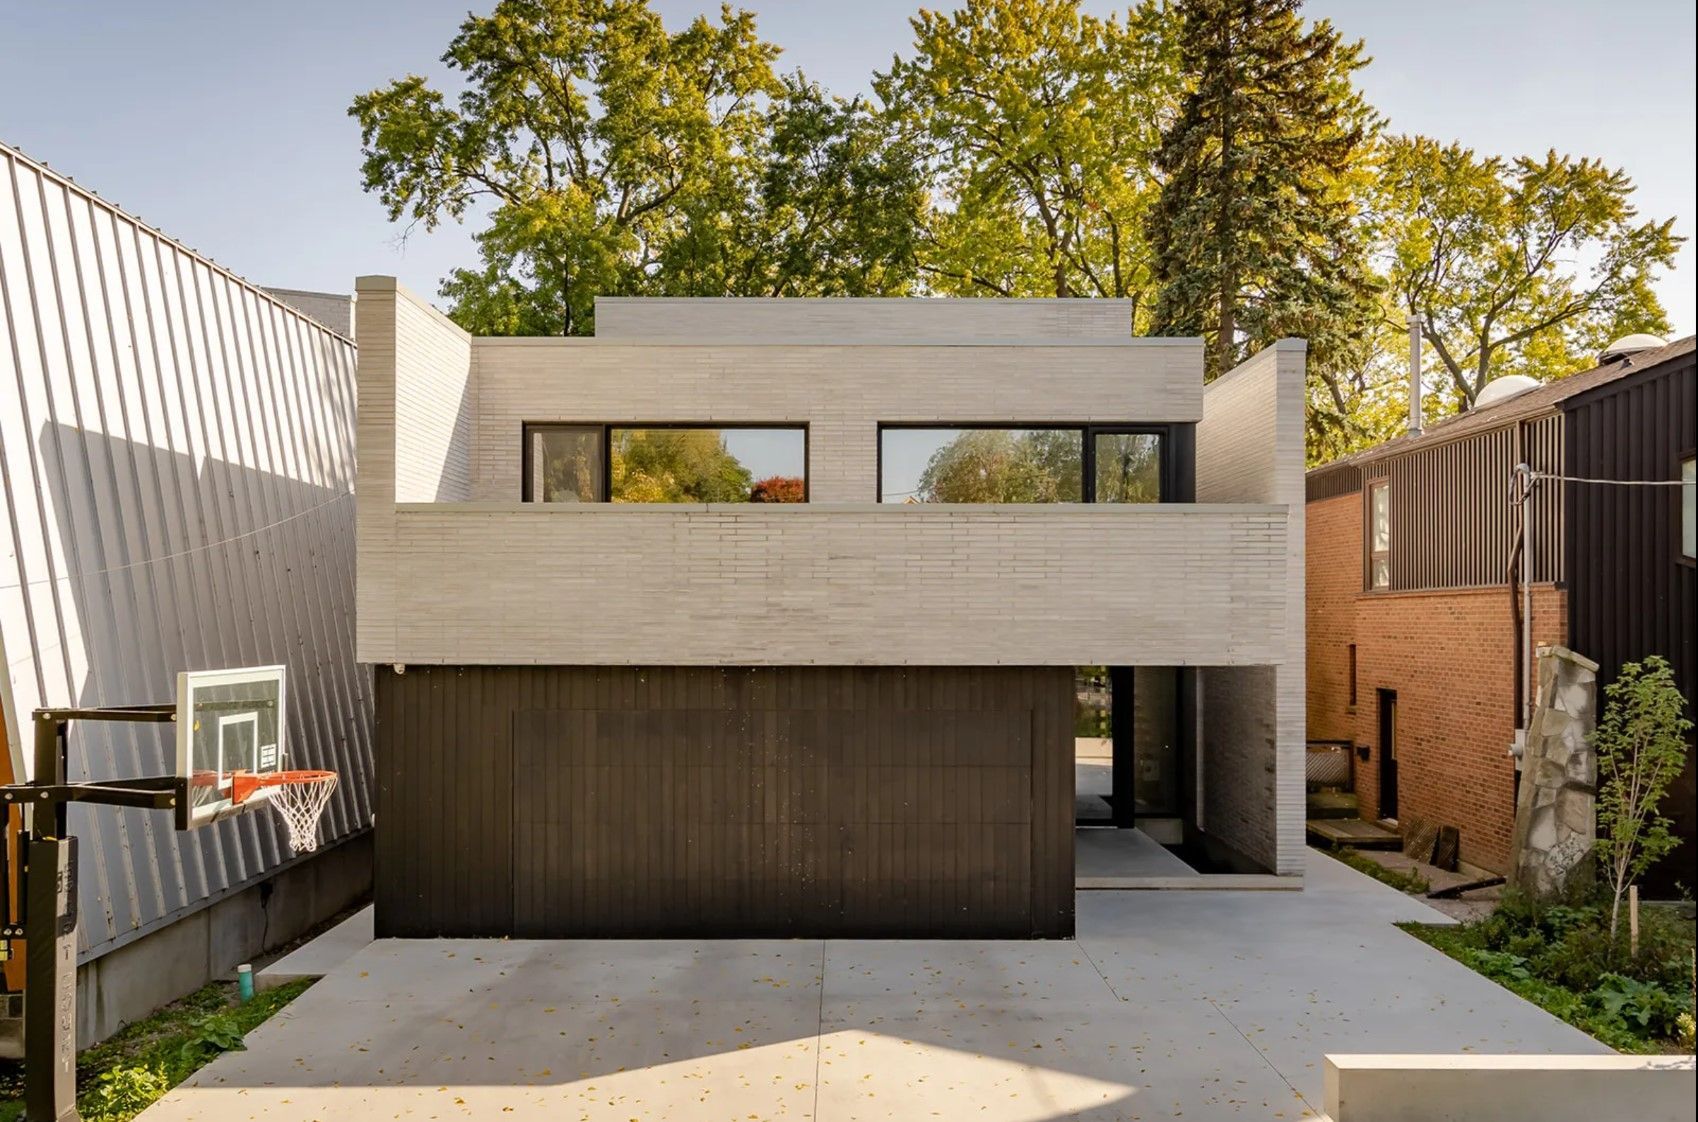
(1631, 591)
(176, 468)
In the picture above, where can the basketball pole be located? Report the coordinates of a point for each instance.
(48, 898)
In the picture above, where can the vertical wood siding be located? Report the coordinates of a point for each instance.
(617, 801)
(1631, 594)
(176, 462)
(1452, 521)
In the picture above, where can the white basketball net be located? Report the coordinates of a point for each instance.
(300, 805)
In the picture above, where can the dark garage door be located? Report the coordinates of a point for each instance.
(746, 822)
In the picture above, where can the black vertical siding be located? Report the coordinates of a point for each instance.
(1631, 594)
(556, 801)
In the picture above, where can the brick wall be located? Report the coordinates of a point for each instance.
(1449, 656)
(1334, 566)
(1168, 584)
(1250, 449)
(841, 391)
(853, 318)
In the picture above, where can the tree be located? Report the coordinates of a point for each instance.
(1254, 233)
(608, 156)
(1527, 266)
(1039, 122)
(1641, 746)
(676, 466)
(1005, 466)
(779, 489)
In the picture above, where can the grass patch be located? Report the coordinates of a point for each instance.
(1561, 958)
(1410, 881)
(120, 1077)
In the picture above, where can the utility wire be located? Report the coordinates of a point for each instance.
(1612, 482)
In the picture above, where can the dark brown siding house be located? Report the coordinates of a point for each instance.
(1421, 612)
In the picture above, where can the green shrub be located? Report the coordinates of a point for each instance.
(1647, 1007)
(122, 1092)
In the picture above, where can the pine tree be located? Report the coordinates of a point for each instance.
(1254, 234)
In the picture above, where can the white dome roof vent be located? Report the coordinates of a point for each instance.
(1631, 344)
(1502, 389)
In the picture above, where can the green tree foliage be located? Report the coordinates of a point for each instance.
(608, 156)
(1005, 466)
(676, 466)
(1255, 234)
(1641, 747)
(1526, 266)
(1040, 123)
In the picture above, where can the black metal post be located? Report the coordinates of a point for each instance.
(50, 931)
(1123, 748)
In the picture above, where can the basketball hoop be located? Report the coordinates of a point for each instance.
(298, 797)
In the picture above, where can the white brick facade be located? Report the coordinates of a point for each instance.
(1250, 449)
(454, 569)
(851, 318)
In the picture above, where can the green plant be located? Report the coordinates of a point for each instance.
(1641, 748)
(121, 1092)
(1647, 1005)
(1500, 965)
(212, 1035)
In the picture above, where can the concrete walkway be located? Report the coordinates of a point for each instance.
(1196, 1005)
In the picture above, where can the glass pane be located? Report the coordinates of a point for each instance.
(1380, 573)
(1155, 740)
(982, 466)
(566, 465)
(709, 465)
(1128, 467)
(1381, 540)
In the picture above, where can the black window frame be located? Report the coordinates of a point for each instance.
(607, 428)
(1171, 435)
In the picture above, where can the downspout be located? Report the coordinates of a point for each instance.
(1520, 575)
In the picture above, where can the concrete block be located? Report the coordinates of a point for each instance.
(1461, 1088)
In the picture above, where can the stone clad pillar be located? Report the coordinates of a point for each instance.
(1556, 810)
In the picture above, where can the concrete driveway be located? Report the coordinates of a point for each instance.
(1197, 1005)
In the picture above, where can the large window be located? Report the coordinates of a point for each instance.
(1379, 535)
(1021, 464)
(666, 463)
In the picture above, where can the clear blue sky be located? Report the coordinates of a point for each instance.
(223, 122)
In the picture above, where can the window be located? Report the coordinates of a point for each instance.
(1379, 535)
(1128, 467)
(564, 464)
(669, 463)
(1021, 464)
(1688, 526)
(1353, 675)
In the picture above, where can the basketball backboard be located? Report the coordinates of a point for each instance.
(230, 727)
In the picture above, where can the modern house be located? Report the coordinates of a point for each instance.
(176, 469)
(663, 646)
(1421, 620)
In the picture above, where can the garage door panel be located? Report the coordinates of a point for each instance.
(818, 821)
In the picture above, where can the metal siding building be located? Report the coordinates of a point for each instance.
(176, 477)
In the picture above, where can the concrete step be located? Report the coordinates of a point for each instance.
(1332, 804)
(1353, 832)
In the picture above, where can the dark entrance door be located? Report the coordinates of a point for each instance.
(1388, 753)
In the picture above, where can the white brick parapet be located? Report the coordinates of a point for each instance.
(833, 584)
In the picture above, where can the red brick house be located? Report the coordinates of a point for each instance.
(1414, 606)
